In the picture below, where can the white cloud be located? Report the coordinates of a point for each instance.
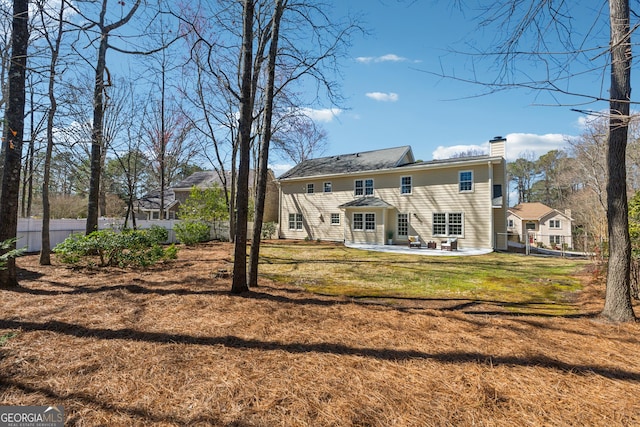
(324, 115)
(381, 96)
(517, 145)
(390, 57)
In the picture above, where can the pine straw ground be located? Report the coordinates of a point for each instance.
(170, 346)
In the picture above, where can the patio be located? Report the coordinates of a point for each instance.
(404, 249)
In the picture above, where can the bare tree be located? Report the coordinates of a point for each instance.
(13, 136)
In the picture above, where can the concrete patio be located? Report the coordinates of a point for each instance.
(404, 249)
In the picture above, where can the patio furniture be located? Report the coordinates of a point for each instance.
(449, 245)
(414, 242)
(432, 245)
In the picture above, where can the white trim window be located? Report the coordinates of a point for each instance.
(326, 187)
(465, 181)
(448, 224)
(335, 219)
(295, 221)
(554, 223)
(403, 225)
(557, 240)
(405, 185)
(363, 187)
(310, 188)
(364, 221)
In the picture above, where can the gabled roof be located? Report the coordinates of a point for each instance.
(366, 202)
(533, 211)
(151, 201)
(355, 162)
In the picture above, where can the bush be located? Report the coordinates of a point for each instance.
(268, 230)
(139, 248)
(11, 253)
(191, 232)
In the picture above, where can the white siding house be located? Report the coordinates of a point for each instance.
(542, 225)
(365, 197)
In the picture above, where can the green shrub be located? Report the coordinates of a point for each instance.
(11, 253)
(268, 230)
(139, 248)
(191, 232)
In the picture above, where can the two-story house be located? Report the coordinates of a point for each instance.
(366, 197)
(540, 224)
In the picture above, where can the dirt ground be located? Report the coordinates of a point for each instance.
(169, 346)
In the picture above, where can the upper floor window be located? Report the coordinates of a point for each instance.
(510, 223)
(405, 185)
(310, 188)
(554, 223)
(363, 187)
(465, 181)
(327, 187)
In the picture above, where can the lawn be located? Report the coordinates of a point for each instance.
(169, 346)
(529, 285)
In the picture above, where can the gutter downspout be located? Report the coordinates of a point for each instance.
(491, 225)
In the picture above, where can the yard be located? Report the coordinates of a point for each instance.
(332, 337)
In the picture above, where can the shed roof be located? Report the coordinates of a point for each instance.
(366, 202)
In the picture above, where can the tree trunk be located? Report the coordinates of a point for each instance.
(239, 283)
(96, 137)
(617, 305)
(264, 149)
(14, 134)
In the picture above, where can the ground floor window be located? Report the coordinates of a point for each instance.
(295, 221)
(364, 221)
(403, 224)
(448, 224)
(335, 219)
(555, 240)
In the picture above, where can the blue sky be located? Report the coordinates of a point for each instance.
(394, 99)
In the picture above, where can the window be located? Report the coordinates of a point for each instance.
(359, 189)
(327, 187)
(309, 188)
(370, 221)
(466, 181)
(358, 221)
(295, 221)
(335, 219)
(497, 195)
(555, 240)
(368, 187)
(448, 224)
(405, 185)
(403, 224)
(510, 223)
(554, 223)
(365, 221)
(364, 187)
(530, 225)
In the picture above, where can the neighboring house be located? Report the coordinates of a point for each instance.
(540, 224)
(363, 197)
(177, 194)
(148, 206)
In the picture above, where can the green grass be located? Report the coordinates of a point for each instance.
(6, 337)
(517, 283)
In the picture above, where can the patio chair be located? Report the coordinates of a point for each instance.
(414, 242)
(449, 245)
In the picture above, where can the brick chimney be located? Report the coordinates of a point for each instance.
(497, 147)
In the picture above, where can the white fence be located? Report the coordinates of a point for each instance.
(30, 230)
